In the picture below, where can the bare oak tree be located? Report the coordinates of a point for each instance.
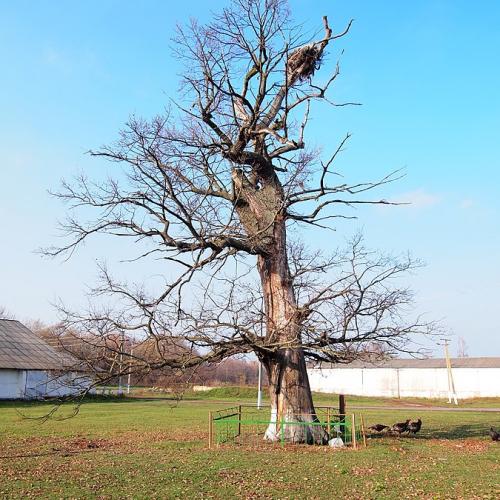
(213, 186)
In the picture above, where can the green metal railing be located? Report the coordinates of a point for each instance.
(243, 423)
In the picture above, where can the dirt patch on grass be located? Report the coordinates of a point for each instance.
(128, 442)
(132, 442)
(51, 446)
(82, 443)
(297, 449)
(362, 471)
(462, 445)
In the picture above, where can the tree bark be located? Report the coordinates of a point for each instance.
(293, 417)
(261, 213)
(292, 407)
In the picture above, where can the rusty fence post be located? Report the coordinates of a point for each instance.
(341, 404)
(363, 433)
(342, 416)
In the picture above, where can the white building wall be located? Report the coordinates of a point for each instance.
(68, 384)
(33, 384)
(36, 384)
(382, 380)
(42, 384)
(11, 383)
(406, 382)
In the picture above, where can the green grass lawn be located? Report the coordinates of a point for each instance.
(158, 449)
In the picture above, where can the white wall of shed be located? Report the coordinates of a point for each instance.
(12, 383)
(406, 382)
(67, 384)
(43, 384)
(35, 384)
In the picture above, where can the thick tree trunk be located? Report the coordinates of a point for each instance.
(293, 417)
(292, 409)
(261, 213)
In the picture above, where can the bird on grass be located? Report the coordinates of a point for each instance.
(378, 427)
(414, 426)
(495, 436)
(400, 427)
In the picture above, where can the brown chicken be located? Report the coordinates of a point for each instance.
(378, 427)
(414, 426)
(400, 427)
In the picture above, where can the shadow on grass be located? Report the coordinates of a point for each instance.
(476, 430)
(20, 403)
(464, 431)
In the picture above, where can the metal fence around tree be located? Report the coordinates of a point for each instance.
(246, 425)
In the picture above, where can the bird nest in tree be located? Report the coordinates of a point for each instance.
(303, 62)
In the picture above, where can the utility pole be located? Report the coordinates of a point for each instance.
(451, 383)
(129, 371)
(120, 388)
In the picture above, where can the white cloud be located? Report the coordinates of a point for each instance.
(417, 199)
(68, 62)
(466, 203)
(52, 56)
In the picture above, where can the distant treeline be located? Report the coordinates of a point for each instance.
(107, 355)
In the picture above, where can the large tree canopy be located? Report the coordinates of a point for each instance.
(213, 186)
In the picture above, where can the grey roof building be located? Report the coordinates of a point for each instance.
(30, 368)
(21, 349)
(490, 362)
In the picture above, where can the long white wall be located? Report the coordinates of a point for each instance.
(406, 382)
(33, 384)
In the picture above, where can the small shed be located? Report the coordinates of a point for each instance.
(32, 369)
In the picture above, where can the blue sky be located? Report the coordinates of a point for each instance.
(426, 72)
